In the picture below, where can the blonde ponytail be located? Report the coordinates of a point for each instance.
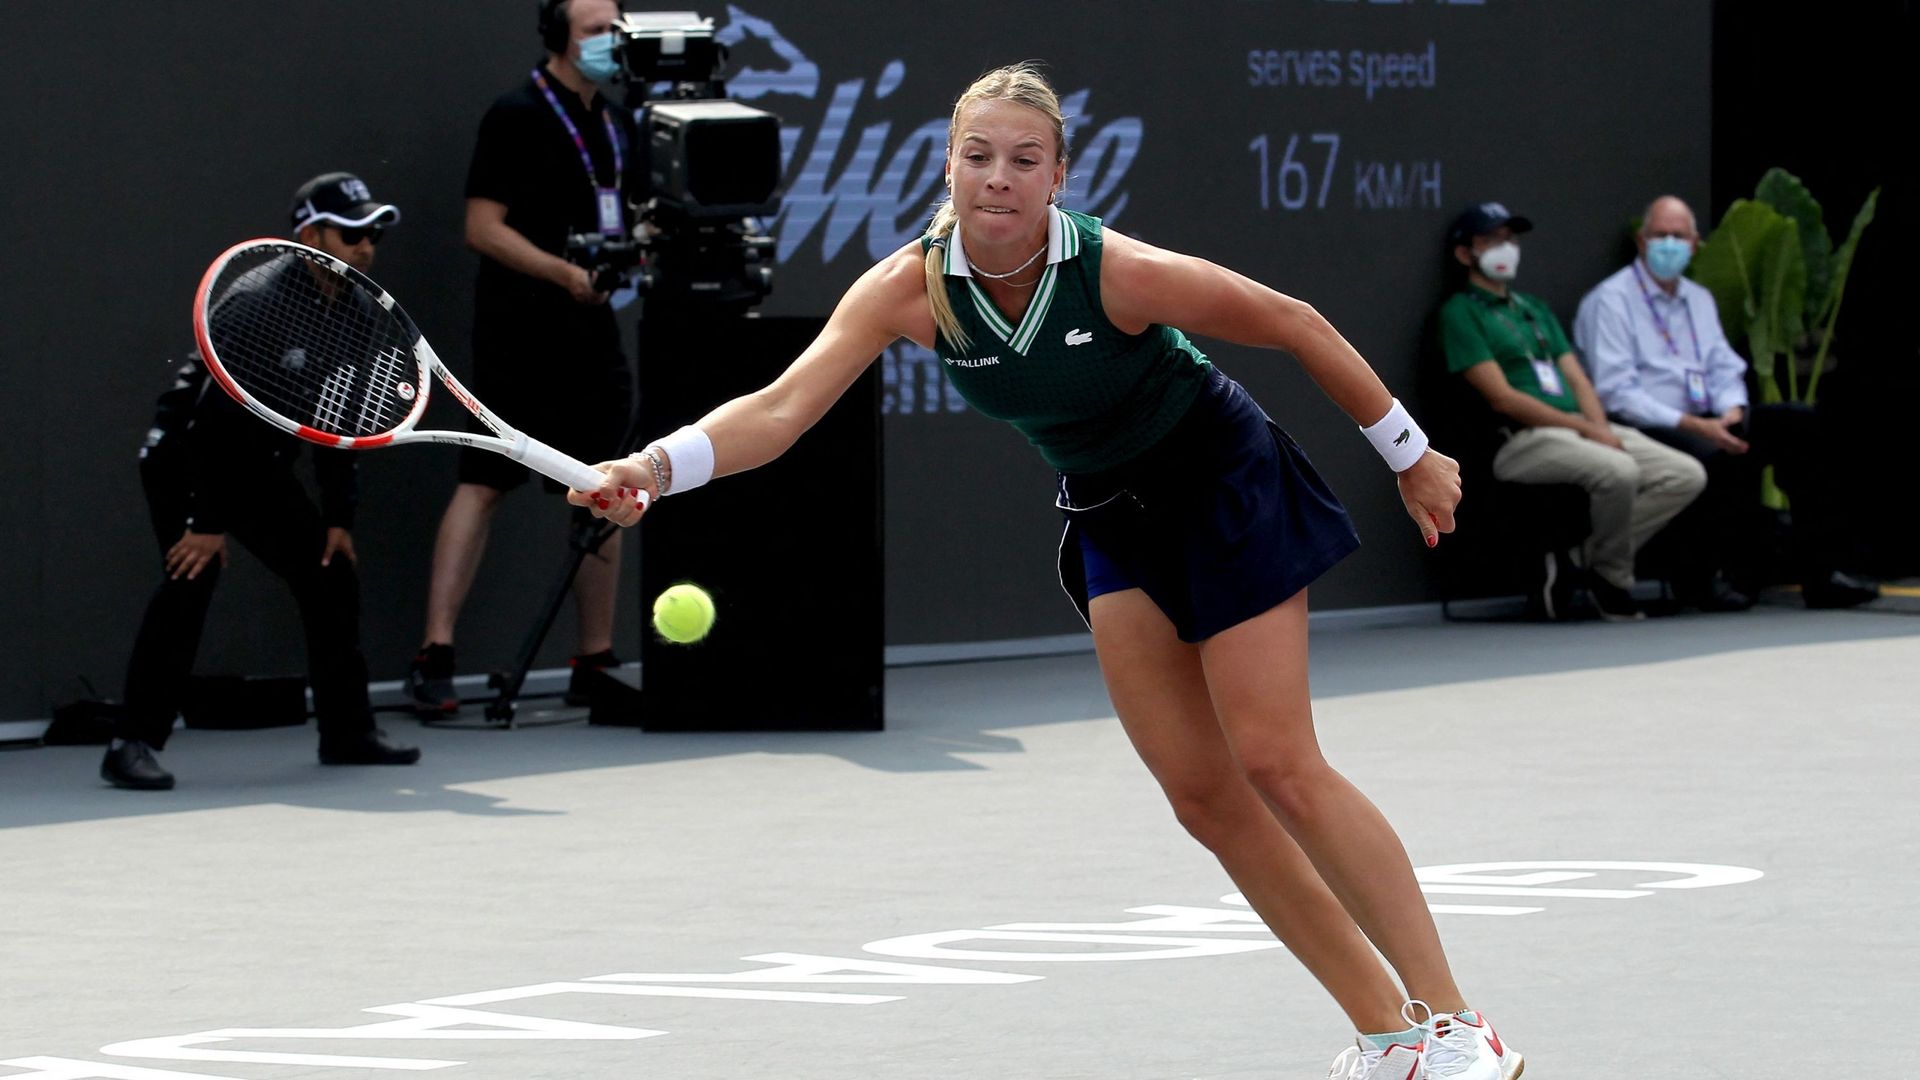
(945, 221)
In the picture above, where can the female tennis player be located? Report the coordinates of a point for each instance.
(1193, 527)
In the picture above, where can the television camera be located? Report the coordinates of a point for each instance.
(712, 171)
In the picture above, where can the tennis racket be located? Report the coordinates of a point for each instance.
(312, 346)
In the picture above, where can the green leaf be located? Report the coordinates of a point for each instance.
(1782, 294)
(1723, 264)
(1784, 192)
(1842, 269)
(1756, 268)
(1842, 263)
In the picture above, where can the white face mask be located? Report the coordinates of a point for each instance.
(1501, 261)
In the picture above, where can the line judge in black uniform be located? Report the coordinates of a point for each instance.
(209, 469)
(553, 157)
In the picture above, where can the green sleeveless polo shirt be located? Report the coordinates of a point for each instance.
(1088, 396)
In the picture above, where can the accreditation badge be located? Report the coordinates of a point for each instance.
(1697, 390)
(1548, 377)
(611, 219)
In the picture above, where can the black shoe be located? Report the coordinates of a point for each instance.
(1715, 596)
(130, 765)
(367, 748)
(580, 682)
(1614, 603)
(1838, 590)
(430, 682)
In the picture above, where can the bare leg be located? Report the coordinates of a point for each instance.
(1256, 674)
(456, 556)
(1159, 689)
(596, 594)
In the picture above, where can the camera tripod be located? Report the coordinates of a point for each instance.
(585, 536)
(583, 539)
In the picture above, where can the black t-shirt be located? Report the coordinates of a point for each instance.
(525, 158)
(211, 451)
(214, 450)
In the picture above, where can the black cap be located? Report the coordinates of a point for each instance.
(340, 199)
(1481, 219)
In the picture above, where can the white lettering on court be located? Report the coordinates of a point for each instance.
(1162, 932)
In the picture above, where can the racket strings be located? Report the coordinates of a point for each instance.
(312, 345)
(385, 376)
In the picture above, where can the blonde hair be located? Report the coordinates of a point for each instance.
(1021, 84)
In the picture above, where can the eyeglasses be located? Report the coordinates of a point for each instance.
(352, 236)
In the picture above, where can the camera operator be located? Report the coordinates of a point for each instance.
(554, 157)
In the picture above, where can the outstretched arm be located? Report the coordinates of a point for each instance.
(1141, 285)
(887, 303)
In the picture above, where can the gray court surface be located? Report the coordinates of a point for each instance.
(1683, 848)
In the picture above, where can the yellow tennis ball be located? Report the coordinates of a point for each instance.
(683, 614)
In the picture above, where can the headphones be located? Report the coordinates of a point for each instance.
(556, 29)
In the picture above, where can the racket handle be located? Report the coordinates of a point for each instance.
(547, 461)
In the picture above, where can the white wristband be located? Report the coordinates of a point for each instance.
(1398, 439)
(689, 456)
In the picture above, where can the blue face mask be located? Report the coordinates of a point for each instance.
(597, 61)
(1668, 256)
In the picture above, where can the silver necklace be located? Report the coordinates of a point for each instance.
(1015, 270)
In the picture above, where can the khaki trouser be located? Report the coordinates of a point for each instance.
(1633, 492)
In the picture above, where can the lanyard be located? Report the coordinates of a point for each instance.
(580, 144)
(1499, 311)
(1660, 323)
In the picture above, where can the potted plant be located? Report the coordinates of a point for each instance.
(1778, 281)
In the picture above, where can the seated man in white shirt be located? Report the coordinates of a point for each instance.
(1509, 346)
(1661, 362)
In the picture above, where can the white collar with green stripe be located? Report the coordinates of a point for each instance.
(1063, 242)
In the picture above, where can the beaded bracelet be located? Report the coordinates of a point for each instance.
(652, 454)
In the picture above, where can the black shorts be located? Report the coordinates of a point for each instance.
(571, 388)
(1222, 520)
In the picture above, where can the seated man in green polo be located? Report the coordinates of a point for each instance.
(1511, 348)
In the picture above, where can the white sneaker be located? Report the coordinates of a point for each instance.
(1505, 1057)
(1459, 1050)
(1362, 1061)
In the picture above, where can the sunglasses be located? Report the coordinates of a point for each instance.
(353, 236)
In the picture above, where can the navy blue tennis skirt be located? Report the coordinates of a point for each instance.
(1222, 520)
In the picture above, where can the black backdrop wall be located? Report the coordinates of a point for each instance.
(1319, 145)
(1833, 130)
